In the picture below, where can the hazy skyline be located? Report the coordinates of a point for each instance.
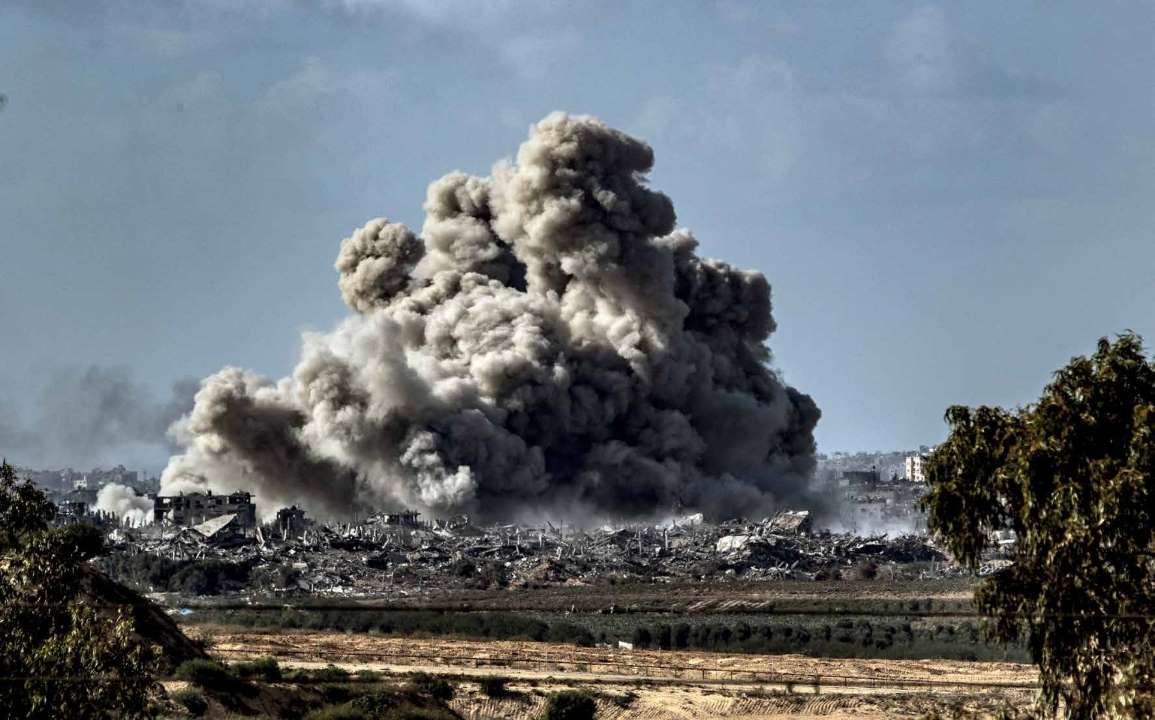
(948, 201)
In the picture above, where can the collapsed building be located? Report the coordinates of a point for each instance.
(291, 521)
(196, 509)
(397, 555)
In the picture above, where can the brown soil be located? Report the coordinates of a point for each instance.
(653, 684)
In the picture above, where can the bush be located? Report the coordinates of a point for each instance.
(494, 687)
(626, 700)
(191, 700)
(207, 674)
(570, 705)
(413, 713)
(192, 577)
(742, 632)
(330, 673)
(334, 693)
(722, 636)
(338, 712)
(567, 632)
(265, 668)
(385, 706)
(664, 637)
(641, 638)
(431, 685)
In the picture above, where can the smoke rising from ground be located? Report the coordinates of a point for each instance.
(82, 413)
(123, 502)
(548, 345)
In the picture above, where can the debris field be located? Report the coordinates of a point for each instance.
(388, 555)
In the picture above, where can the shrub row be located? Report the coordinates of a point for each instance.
(487, 625)
(848, 637)
(212, 675)
(845, 638)
(152, 573)
(387, 705)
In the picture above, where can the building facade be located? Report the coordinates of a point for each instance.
(196, 508)
(915, 468)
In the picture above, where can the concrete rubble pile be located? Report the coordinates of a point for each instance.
(380, 556)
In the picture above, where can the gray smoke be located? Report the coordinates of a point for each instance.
(82, 413)
(549, 345)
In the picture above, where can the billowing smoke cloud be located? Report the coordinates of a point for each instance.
(549, 345)
(84, 413)
(123, 502)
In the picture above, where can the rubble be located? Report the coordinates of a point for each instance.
(388, 555)
(791, 522)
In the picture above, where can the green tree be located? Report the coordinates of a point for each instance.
(1073, 476)
(61, 654)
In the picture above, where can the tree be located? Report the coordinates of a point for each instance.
(641, 638)
(1073, 476)
(61, 654)
(570, 705)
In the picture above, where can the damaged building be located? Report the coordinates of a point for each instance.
(193, 509)
(873, 502)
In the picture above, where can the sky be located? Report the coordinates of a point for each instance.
(949, 200)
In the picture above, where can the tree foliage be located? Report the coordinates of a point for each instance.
(61, 654)
(1073, 476)
(570, 705)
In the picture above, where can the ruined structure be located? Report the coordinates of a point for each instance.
(197, 508)
(377, 558)
(291, 521)
(407, 518)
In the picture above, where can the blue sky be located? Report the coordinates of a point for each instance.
(949, 200)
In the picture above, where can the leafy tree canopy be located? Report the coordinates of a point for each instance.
(61, 654)
(1073, 476)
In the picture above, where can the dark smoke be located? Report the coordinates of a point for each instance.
(549, 345)
(83, 413)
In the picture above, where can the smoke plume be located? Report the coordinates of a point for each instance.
(549, 345)
(123, 502)
(83, 413)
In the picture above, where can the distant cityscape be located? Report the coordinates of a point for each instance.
(83, 485)
(877, 493)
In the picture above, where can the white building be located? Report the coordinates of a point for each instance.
(914, 468)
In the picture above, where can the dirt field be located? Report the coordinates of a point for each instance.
(652, 684)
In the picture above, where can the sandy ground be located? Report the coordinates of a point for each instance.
(651, 684)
